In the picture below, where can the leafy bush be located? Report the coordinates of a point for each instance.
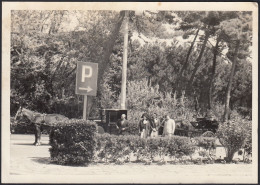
(72, 142)
(142, 97)
(207, 143)
(183, 146)
(67, 106)
(233, 135)
(111, 148)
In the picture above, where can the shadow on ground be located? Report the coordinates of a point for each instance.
(42, 160)
(31, 144)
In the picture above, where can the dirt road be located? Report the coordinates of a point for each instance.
(29, 163)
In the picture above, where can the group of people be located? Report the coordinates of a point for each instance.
(149, 126)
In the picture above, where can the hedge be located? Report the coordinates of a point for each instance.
(207, 143)
(72, 142)
(111, 148)
(75, 142)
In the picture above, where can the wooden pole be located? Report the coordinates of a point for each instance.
(85, 107)
(124, 69)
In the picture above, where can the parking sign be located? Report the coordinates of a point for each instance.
(86, 78)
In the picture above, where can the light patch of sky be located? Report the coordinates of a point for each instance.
(71, 24)
(142, 39)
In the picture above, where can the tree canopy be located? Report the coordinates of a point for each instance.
(200, 58)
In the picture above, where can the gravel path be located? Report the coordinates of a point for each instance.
(29, 163)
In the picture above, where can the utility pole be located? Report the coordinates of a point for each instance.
(124, 69)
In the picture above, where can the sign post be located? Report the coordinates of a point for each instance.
(85, 107)
(86, 82)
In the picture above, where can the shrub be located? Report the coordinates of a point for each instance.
(248, 141)
(142, 97)
(207, 143)
(133, 128)
(152, 146)
(72, 142)
(232, 135)
(183, 146)
(111, 148)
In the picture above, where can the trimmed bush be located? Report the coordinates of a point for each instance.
(233, 135)
(72, 142)
(206, 143)
(112, 148)
(182, 146)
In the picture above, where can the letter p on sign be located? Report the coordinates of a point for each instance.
(86, 80)
(84, 74)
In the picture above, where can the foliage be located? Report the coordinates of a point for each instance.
(111, 148)
(168, 73)
(44, 63)
(141, 97)
(45, 50)
(72, 142)
(238, 32)
(248, 143)
(233, 134)
(108, 98)
(206, 142)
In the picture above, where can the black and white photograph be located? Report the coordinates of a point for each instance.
(129, 92)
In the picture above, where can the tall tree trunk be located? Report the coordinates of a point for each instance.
(179, 81)
(230, 155)
(107, 52)
(229, 86)
(213, 73)
(198, 60)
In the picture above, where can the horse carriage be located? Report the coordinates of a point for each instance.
(205, 126)
(108, 120)
(38, 121)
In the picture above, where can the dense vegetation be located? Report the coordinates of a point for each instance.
(192, 62)
(76, 142)
(186, 64)
(72, 142)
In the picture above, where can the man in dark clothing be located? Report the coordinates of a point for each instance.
(122, 125)
(155, 124)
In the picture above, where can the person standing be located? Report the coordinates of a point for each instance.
(122, 125)
(169, 126)
(144, 126)
(155, 126)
